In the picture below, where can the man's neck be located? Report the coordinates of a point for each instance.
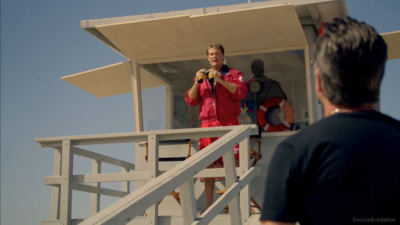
(331, 109)
(218, 68)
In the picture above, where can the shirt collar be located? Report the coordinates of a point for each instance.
(224, 69)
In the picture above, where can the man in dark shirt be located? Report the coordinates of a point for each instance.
(344, 168)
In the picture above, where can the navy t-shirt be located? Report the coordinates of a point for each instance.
(341, 170)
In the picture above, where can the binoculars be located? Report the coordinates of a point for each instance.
(207, 75)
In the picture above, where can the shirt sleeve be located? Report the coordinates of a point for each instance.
(279, 196)
(241, 90)
(195, 101)
(190, 101)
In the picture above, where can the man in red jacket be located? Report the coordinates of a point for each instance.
(219, 101)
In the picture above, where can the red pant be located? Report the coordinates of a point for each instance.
(204, 142)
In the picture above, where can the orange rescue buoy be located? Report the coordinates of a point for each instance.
(286, 121)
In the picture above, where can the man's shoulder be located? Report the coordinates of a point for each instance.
(318, 132)
(234, 71)
(340, 125)
(383, 117)
(315, 128)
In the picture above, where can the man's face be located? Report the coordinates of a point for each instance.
(215, 57)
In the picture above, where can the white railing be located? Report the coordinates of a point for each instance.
(157, 187)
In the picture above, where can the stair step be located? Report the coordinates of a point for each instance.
(222, 219)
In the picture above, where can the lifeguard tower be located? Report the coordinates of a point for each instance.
(163, 51)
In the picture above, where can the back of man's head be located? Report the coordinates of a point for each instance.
(351, 58)
(257, 67)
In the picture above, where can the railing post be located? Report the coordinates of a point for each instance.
(181, 176)
(244, 164)
(55, 191)
(230, 179)
(152, 168)
(66, 189)
(125, 185)
(95, 198)
(188, 203)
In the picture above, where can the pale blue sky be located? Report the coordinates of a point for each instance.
(41, 41)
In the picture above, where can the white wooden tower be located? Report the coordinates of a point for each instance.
(163, 50)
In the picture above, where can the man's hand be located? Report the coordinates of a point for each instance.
(217, 78)
(200, 73)
(217, 75)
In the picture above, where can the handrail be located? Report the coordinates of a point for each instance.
(103, 158)
(149, 194)
(130, 137)
(63, 181)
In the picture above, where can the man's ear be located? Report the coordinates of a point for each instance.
(318, 80)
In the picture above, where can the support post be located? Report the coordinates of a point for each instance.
(125, 184)
(169, 106)
(188, 202)
(137, 96)
(244, 165)
(230, 179)
(55, 191)
(66, 183)
(152, 168)
(95, 198)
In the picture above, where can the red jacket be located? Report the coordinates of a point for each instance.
(223, 106)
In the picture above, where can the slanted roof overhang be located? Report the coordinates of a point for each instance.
(111, 80)
(183, 35)
(392, 40)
